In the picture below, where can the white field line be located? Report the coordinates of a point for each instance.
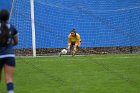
(82, 57)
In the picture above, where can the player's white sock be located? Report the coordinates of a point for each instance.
(11, 91)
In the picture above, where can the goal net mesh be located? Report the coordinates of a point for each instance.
(105, 26)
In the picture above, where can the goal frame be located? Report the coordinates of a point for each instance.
(33, 27)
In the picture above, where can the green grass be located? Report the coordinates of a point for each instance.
(85, 74)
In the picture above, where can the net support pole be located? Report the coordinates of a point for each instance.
(33, 28)
(11, 10)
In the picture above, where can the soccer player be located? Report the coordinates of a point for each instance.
(74, 42)
(8, 39)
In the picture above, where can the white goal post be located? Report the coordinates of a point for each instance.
(33, 28)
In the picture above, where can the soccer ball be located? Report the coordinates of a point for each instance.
(64, 51)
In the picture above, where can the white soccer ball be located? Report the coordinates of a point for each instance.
(64, 51)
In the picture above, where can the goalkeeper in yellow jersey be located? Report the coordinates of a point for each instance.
(74, 42)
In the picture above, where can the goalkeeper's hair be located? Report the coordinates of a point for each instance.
(74, 31)
(4, 17)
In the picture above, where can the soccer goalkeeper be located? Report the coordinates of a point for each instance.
(74, 42)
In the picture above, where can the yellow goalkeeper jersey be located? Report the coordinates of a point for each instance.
(75, 39)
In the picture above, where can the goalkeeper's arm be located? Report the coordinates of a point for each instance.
(69, 44)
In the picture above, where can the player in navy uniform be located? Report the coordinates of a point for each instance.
(8, 39)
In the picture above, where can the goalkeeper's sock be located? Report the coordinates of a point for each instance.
(10, 87)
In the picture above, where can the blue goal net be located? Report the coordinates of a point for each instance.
(101, 23)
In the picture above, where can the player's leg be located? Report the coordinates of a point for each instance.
(8, 72)
(72, 48)
(69, 48)
(1, 66)
(76, 48)
(0, 74)
(74, 51)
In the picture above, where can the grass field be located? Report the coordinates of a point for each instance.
(85, 74)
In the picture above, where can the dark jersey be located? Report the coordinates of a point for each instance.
(8, 50)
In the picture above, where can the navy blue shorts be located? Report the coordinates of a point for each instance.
(10, 61)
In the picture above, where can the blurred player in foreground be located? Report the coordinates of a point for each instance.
(8, 39)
